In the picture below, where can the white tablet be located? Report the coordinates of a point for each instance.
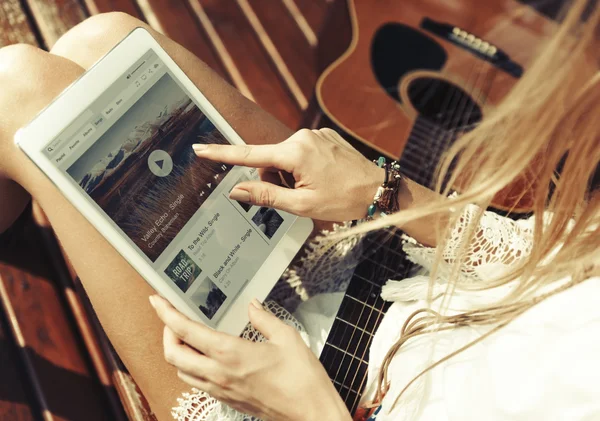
(118, 144)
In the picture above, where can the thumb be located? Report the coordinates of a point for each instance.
(261, 193)
(264, 321)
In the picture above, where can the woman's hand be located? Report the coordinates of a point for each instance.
(276, 380)
(333, 181)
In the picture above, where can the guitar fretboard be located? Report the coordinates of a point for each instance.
(345, 355)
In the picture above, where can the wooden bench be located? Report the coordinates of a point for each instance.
(55, 361)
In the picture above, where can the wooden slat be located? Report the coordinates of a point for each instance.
(14, 27)
(286, 45)
(309, 33)
(14, 400)
(103, 6)
(217, 43)
(335, 34)
(55, 17)
(175, 20)
(313, 11)
(64, 386)
(249, 57)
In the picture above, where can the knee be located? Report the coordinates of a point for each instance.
(95, 36)
(26, 71)
(29, 79)
(22, 71)
(14, 59)
(105, 25)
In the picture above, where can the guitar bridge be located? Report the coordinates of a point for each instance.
(474, 44)
(471, 41)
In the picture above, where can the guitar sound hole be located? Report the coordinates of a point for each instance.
(397, 49)
(444, 104)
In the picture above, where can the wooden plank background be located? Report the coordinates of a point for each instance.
(55, 361)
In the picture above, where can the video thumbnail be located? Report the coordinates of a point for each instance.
(268, 221)
(143, 172)
(183, 271)
(209, 298)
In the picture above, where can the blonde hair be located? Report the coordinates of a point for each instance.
(549, 119)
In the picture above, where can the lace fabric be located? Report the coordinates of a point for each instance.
(498, 244)
(327, 266)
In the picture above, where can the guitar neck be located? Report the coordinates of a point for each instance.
(345, 355)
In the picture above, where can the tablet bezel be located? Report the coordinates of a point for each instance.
(68, 106)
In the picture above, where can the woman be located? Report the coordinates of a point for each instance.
(509, 325)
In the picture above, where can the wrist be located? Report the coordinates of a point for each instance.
(386, 198)
(370, 183)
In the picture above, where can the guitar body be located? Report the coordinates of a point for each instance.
(401, 67)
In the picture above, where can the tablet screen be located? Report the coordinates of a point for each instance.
(131, 154)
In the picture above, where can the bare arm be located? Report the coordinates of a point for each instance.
(423, 230)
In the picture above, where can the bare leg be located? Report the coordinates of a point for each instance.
(29, 80)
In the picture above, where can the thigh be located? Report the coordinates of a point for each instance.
(118, 294)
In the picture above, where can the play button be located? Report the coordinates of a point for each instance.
(160, 163)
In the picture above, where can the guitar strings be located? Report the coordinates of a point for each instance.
(326, 351)
(465, 117)
(455, 116)
(453, 97)
(354, 329)
(346, 349)
(452, 126)
(380, 314)
(437, 131)
(360, 359)
(444, 134)
(421, 136)
(463, 113)
(448, 131)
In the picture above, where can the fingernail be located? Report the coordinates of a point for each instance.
(240, 195)
(257, 304)
(152, 301)
(199, 147)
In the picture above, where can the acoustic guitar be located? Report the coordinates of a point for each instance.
(417, 74)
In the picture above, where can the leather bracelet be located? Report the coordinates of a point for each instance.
(386, 197)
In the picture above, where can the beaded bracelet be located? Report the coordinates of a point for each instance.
(386, 197)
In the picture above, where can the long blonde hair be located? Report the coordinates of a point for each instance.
(549, 119)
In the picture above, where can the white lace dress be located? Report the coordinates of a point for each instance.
(542, 366)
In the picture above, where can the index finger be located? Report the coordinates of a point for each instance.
(196, 335)
(255, 156)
